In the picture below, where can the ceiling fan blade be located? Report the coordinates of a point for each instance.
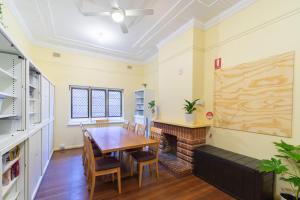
(114, 4)
(139, 12)
(124, 28)
(107, 13)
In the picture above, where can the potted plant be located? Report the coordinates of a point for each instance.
(152, 107)
(189, 108)
(291, 155)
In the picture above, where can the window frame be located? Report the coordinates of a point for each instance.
(90, 115)
(79, 88)
(121, 100)
(105, 103)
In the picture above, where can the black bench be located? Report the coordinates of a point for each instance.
(233, 173)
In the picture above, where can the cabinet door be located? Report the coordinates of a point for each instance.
(51, 136)
(45, 147)
(51, 101)
(34, 162)
(45, 99)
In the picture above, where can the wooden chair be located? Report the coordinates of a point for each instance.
(131, 127)
(84, 149)
(97, 152)
(149, 157)
(103, 166)
(125, 125)
(102, 122)
(140, 129)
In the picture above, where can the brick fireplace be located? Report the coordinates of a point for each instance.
(177, 144)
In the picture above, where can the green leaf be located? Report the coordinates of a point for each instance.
(294, 180)
(273, 165)
(287, 147)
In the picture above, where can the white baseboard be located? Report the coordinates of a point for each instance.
(69, 147)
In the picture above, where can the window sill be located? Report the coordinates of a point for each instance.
(77, 122)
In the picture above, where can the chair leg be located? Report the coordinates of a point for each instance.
(140, 174)
(113, 177)
(88, 179)
(156, 164)
(92, 187)
(150, 169)
(119, 181)
(131, 161)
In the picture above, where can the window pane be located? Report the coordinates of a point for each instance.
(80, 103)
(114, 103)
(98, 103)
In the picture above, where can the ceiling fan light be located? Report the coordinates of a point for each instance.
(118, 16)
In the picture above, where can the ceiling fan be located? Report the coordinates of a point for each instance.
(119, 14)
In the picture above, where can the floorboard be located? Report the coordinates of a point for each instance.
(64, 180)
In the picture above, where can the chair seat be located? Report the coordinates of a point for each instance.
(107, 163)
(97, 153)
(133, 150)
(142, 156)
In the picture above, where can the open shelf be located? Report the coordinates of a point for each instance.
(6, 188)
(15, 196)
(32, 86)
(4, 74)
(10, 164)
(32, 99)
(7, 116)
(6, 95)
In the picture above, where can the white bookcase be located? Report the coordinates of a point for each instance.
(142, 113)
(26, 123)
(34, 90)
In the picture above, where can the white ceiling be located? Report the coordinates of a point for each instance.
(59, 22)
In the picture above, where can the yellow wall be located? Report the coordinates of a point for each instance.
(180, 63)
(76, 69)
(260, 31)
(151, 75)
(15, 32)
(80, 69)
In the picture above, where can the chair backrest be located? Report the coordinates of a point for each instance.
(140, 129)
(131, 127)
(125, 124)
(101, 122)
(90, 153)
(155, 134)
(83, 129)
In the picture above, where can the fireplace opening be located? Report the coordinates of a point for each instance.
(169, 145)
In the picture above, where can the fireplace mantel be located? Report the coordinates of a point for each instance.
(189, 137)
(182, 124)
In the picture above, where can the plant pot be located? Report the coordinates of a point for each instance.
(285, 196)
(190, 118)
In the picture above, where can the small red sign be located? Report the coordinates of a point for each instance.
(218, 63)
(209, 115)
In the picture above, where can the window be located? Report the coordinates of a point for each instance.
(89, 102)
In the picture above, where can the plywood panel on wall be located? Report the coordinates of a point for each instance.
(257, 96)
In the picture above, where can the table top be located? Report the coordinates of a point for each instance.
(115, 138)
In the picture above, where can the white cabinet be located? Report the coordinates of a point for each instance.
(142, 113)
(34, 163)
(51, 101)
(45, 99)
(45, 147)
(34, 96)
(51, 138)
(13, 173)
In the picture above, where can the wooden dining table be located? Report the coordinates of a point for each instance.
(116, 139)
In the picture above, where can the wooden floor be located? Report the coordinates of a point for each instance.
(64, 180)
